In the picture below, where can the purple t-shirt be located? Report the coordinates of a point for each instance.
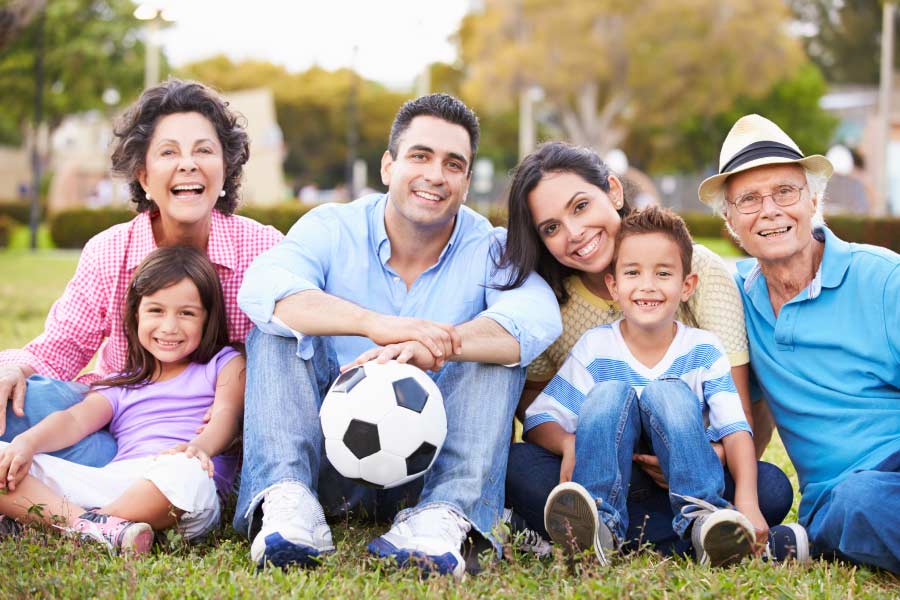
(152, 418)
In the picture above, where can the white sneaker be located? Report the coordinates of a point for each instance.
(294, 531)
(721, 536)
(571, 519)
(523, 538)
(431, 539)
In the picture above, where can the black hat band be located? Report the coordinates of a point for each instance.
(760, 150)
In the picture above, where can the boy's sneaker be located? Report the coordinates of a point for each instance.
(118, 535)
(787, 542)
(721, 536)
(430, 539)
(522, 537)
(571, 519)
(294, 531)
(9, 527)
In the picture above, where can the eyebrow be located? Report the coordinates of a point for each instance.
(173, 141)
(453, 155)
(566, 207)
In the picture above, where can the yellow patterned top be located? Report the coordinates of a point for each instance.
(715, 306)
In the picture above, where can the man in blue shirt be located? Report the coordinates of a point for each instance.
(411, 276)
(823, 321)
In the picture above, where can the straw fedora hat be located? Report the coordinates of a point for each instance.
(755, 141)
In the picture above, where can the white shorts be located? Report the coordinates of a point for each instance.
(180, 479)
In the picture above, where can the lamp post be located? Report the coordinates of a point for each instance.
(154, 13)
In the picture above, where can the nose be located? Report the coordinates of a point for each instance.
(648, 281)
(187, 163)
(576, 231)
(434, 172)
(169, 323)
(769, 206)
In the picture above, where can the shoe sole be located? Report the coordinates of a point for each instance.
(281, 553)
(571, 519)
(445, 564)
(726, 538)
(137, 539)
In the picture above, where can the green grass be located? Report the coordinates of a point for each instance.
(43, 564)
(720, 246)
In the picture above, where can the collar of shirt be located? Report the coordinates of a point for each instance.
(380, 236)
(218, 248)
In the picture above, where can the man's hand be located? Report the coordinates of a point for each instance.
(192, 451)
(441, 340)
(414, 353)
(752, 512)
(15, 461)
(649, 463)
(12, 386)
(567, 466)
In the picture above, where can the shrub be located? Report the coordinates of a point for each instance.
(280, 216)
(6, 226)
(17, 210)
(73, 228)
(883, 231)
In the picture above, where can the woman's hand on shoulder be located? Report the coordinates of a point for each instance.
(15, 462)
(193, 451)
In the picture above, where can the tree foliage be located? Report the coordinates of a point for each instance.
(609, 66)
(89, 46)
(846, 44)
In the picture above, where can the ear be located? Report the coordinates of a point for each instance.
(689, 286)
(611, 286)
(142, 178)
(616, 192)
(386, 163)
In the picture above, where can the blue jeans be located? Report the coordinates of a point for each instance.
(859, 520)
(283, 438)
(44, 396)
(641, 512)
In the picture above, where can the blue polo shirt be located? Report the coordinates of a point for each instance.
(343, 250)
(829, 365)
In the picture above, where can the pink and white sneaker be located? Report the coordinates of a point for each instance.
(118, 535)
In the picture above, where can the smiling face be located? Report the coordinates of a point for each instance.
(184, 169)
(576, 220)
(776, 234)
(429, 179)
(170, 323)
(649, 281)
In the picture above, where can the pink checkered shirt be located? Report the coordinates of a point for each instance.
(90, 309)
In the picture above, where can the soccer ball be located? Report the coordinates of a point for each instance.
(384, 424)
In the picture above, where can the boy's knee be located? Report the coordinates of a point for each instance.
(671, 400)
(605, 398)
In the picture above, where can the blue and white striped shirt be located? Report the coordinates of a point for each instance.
(695, 356)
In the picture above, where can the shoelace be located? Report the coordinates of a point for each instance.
(447, 525)
(695, 507)
(285, 504)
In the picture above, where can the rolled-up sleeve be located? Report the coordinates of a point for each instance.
(530, 312)
(298, 263)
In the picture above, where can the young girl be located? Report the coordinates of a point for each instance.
(165, 473)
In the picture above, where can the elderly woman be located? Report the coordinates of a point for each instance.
(565, 208)
(823, 323)
(183, 151)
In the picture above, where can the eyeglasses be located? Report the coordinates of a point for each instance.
(784, 195)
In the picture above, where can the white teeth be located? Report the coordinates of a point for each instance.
(648, 303)
(194, 187)
(584, 251)
(428, 196)
(769, 232)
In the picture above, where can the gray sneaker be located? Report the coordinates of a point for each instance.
(522, 538)
(721, 536)
(571, 519)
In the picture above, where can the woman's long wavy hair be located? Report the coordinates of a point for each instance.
(163, 268)
(525, 251)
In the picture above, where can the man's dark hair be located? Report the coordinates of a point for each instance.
(136, 127)
(655, 219)
(442, 106)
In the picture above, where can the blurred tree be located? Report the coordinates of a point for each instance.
(844, 37)
(693, 143)
(608, 66)
(15, 16)
(312, 113)
(89, 46)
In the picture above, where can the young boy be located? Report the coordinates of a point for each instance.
(648, 374)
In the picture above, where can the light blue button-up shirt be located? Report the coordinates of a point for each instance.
(829, 364)
(343, 250)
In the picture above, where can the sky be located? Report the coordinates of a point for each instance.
(395, 39)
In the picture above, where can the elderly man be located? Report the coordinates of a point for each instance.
(823, 320)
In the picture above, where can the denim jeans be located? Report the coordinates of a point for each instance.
(642, 512)
(45, 395)
(283, 438)
(859, 519)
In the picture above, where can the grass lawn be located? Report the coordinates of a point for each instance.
(42, 564)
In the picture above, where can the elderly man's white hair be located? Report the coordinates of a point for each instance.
(816, 182)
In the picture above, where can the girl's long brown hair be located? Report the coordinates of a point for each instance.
(162, 268)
